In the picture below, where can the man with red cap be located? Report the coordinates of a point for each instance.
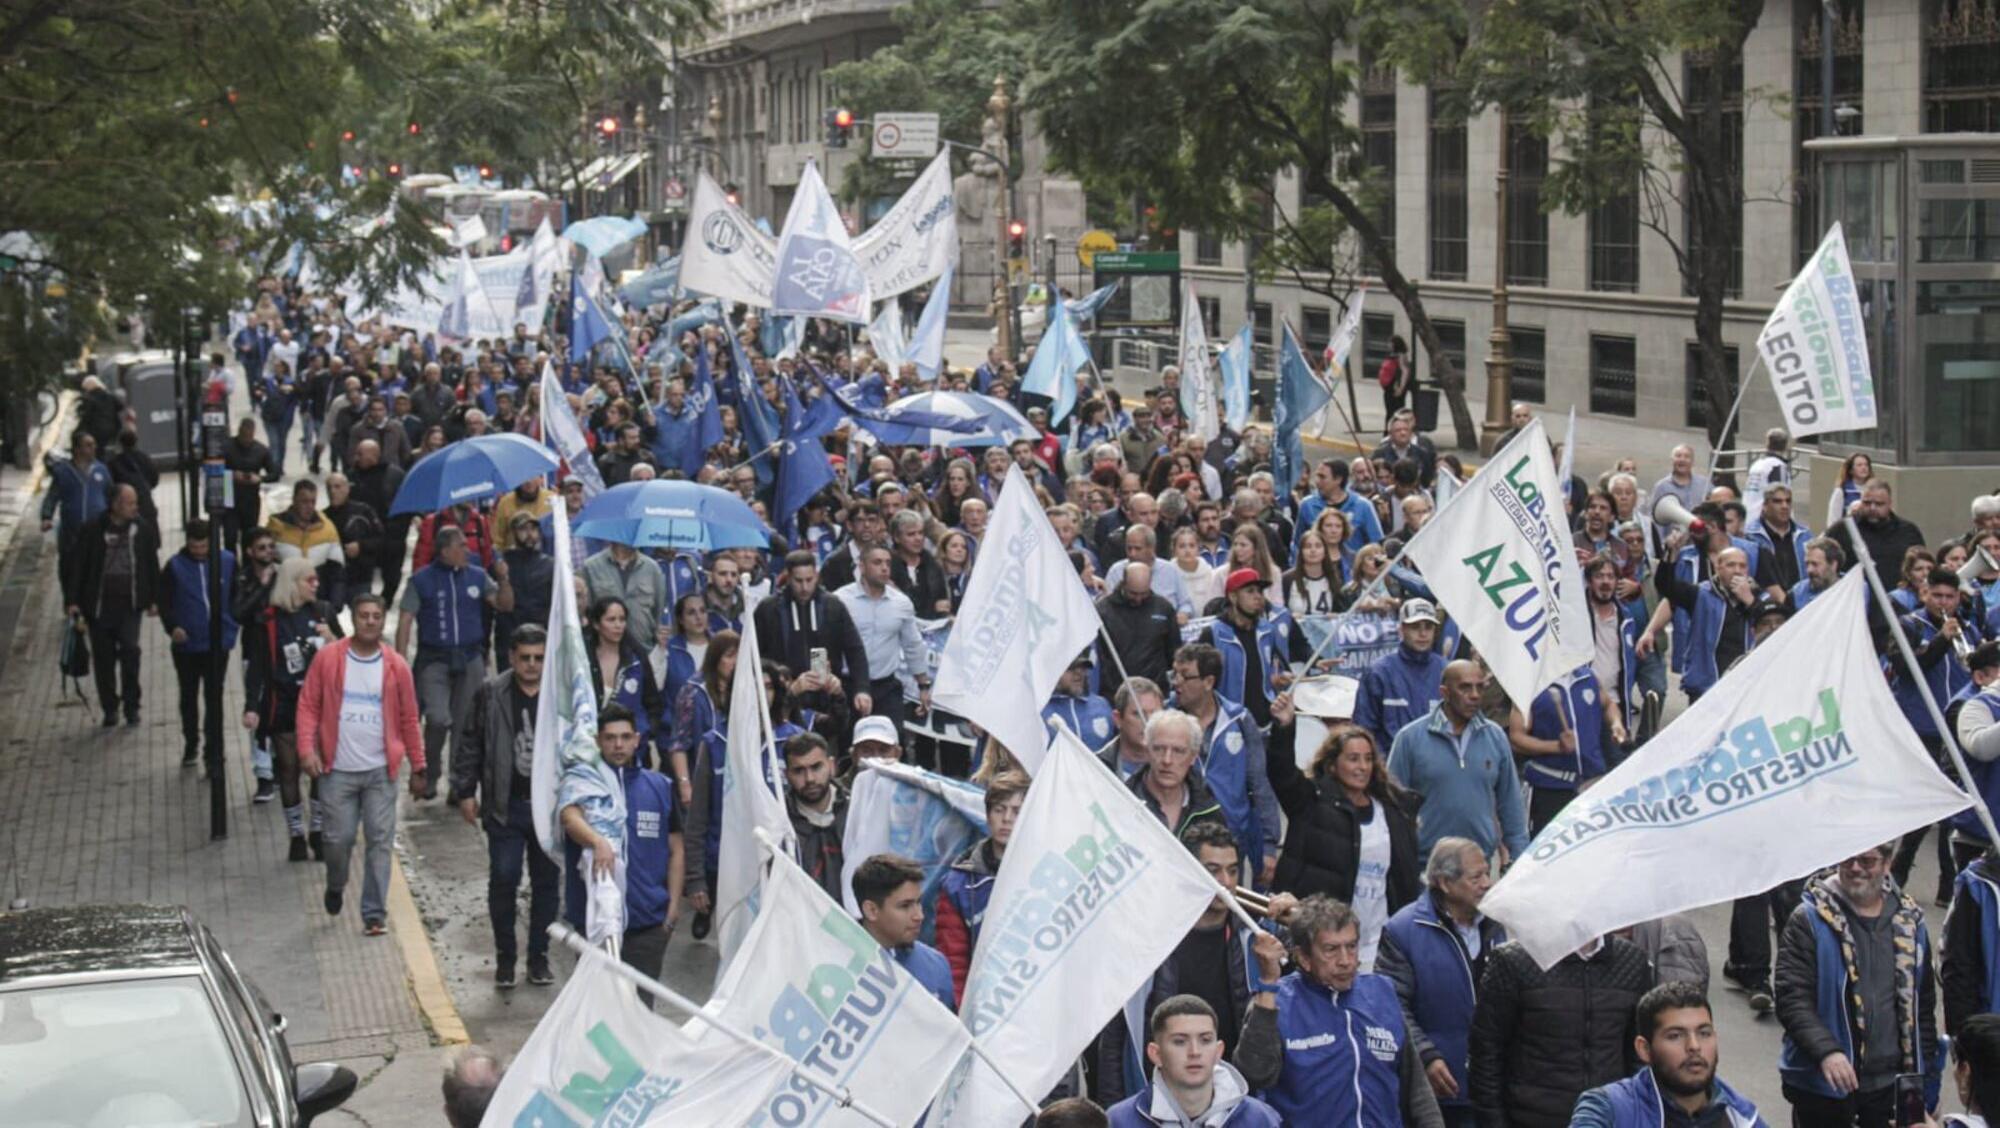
(1255, 663)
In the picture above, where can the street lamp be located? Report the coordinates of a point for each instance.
(1499, 343)
(715, 130)
(997, 108)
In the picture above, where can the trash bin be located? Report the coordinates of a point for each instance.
(1427, 408)
(148, 389)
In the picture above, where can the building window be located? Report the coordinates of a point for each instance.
(1378, 146)
(1527, 223)
(1377, 330)
(1529, 381)
(1260, 337)
(1207, 249)
(1211, 317)
(1699, 80)
(1614, 376)
(1614, 221)
(1808, 114)
(1959, 326)
(1961, 84)
(1955, 230)
(1447, 195)
(1317, 325)
(1697, 401)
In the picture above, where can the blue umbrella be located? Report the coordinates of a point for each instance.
(604, 234)
(471, 470)
(672, 514)
(996, 423)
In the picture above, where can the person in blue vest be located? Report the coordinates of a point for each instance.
(1327, 1044)
(1088, 715)
(1560, 741)
(967, 884)
(1974, 716)
(1402, 685)
(1255, 646)
(674, 426)
(446, 606)
(1824, 561)
(1690, 555)
(1857, 996)
(1679, 1086)
(1192, 1085)
(1434, 950)
(79, 490)
(889, 889)
(1330, 489)
(1718, 619)
(1231, 757)
(1969, 971)
(1936, 633)
(1781, 542)
(652, 850)
(184, 615)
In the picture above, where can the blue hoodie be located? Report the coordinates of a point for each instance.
(1635, 1103)
(1399, 688)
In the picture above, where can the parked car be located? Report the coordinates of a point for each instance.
(133, 1015)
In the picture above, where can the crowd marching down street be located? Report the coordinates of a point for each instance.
(1037, 753)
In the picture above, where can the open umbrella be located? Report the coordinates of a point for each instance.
(471, 470)
(997, 423)
(672, 514)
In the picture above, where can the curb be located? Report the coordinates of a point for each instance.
(426, 981)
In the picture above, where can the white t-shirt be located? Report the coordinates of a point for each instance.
(1311, 596)
(1769, 470)
(361, 746)
(1371, 884)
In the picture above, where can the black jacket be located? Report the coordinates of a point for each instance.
(1541, 1038)
(820, 848)
(359, 523)
(1887, 541)
(376, 488)
(533, 576)
(1146, 636)
(924, 584)
(83, 580)
(1965, 969)
(1200, 807)
(482, 761)
(1322, 851)
(788, 630)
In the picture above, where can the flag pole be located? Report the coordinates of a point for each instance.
(1119, 662)
(843, 1097)
(1945, 733)
(1742, 389)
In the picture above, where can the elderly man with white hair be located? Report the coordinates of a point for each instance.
(1170, 784)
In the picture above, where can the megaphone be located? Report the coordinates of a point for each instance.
(1978, 564)
(1669, 511)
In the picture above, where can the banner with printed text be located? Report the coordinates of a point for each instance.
(916, 240)
(724, 255)
(1815, 346)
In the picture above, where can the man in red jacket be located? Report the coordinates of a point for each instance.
(357, 722)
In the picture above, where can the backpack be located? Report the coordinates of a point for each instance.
(1390, 372)
(73, 660)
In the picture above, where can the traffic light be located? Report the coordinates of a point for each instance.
(416, 128)
(1016, 235)
(608, 126)
(839, 126)
(486, 172)
(395, 170)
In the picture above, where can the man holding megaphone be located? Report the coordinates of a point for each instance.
(1707, 590)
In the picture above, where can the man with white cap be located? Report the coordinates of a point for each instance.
(874, 739)
(1402, 685)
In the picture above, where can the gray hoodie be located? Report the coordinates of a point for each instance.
(1230, 1091)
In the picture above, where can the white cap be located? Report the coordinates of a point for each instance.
(1420, 611)
(880, 730)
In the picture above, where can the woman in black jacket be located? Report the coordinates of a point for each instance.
(279, 643)
(1335, 819)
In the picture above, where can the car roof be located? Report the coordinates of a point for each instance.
(82, 939)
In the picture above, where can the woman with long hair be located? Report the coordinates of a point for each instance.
(707, 696)
(687, 645)
(1369, 564)
(434, 440)
(1313, 585)
(1248, 549)
(1348, 832)
(1916, 573)
(1201, 580)
(1855, 473)
(1334, 530)
(955, 557)
(959, 485)
(619, 670)
(280, 643)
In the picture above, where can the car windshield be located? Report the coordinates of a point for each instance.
(147, 1053)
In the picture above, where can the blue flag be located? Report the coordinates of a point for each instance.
(771, 333)
(1057, 359)
(1300, 396)
(1235, 363)
(822, 412)
(755, 414)
(925, 348)
(803, 469)
(1086, 307)
(707, 429)
(588, 325)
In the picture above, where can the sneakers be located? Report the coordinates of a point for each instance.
(190, 758)
(374, 928)
(1760, 999)
(539, 973)
(332, 902)
(131, 720)
(316, 842)
(267, 790)
(503, 977)
(298, 853)
(1758, 987)
(699, 926)
(110, 720)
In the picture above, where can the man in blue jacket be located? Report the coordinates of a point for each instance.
(1327, 1045)
(1191, 1082)
(652, 850)
(890, 891)
(1462, 766)
(79, 490)
(1231, 756)
(1402, 685)
(184, 614)
(1679, 1086)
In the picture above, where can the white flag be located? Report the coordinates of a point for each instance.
(751, 783)
(818, 273)
(926, 345)
(724, 255)
(1797, 759)
(898, 808)
(1501, 561)
(917, 239)
(1815, 346)
(1337, 350)
(468, 230)
(563, 435)
(598, 1056)
(813, 984)
(1095, 895)
(885, 336)
(1198, 400)
(566, 710)
(455, 318)
(1024, 619)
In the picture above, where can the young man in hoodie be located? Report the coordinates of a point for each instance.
(184, 615)
(1678, 1088)
(1402, 685)
(1192, 1086)
(890, 892)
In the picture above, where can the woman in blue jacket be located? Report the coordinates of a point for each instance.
(620, 672)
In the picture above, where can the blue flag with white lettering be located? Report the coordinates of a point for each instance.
(755, 414)
(588, 326)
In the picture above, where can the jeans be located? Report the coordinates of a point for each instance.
(645, 950)
(366, 799)
(1855, 1110)
(114, 658)
(1751, 922)
(507, 844)
(444, 695)
(309, 428)
(192, 672)
(276, 431)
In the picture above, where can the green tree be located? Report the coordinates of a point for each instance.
(1593, 78)
(1200, 105)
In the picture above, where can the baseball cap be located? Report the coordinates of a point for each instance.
(1242, 578)
(1420, 611)
(521, 519)
(1768, 606)
(879, 730)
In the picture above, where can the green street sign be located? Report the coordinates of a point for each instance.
(1136, 262)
